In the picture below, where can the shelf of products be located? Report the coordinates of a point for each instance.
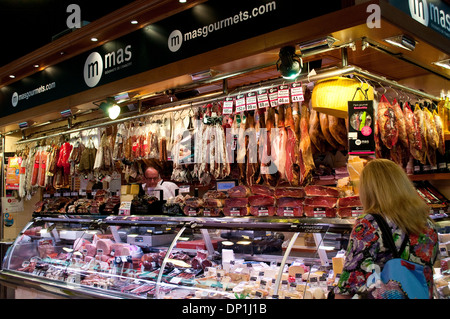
(174, 257)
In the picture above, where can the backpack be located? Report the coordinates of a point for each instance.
(399, 279)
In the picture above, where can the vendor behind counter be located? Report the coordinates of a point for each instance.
(152, 182)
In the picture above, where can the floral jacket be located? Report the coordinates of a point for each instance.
(366, 248)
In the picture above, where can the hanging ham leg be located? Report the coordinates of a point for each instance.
(306, 157)
(338, 130)
(269, 170)
(325, 128)
(292, 168)
(315, 132)
(414, 138)
(251, 149)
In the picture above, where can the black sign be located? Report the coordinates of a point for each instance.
(205, 27)
(361, 128)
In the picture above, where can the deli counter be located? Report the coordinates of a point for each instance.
(128, 257)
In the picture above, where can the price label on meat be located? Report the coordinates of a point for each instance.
(240, 103)
(263, 99)
(283, 94)
(297, 92)
(319, 212)
(228, 105)
(273, 97)
(263, 211)
(251, 101)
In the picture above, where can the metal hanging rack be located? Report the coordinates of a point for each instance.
(219, 96)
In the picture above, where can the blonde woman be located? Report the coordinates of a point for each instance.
(385, 189)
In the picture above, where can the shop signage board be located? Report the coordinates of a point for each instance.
(361, 140)
(205, 27)
(434, 14)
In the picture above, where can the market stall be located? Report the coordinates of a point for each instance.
(267, 162)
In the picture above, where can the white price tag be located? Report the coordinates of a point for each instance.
(240, 103)
(228, 106)
(263, 99)
(283, 94)
(251, 101)
(297, 92)
(273, 97)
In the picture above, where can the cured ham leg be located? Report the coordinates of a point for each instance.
(251, 149)
(338, 130)
(413, 131)
(315, 132)
(306, 157)
(292, 149)
(421, 127)
(269, 170)
(387, 123)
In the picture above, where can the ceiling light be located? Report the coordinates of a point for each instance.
(317, 44)
(443, 64)
(402, 41)
(134, 22)
(289, 64)
(110, 108)
(182, 1)
(12, 76)
(94, 39)
(36, 65)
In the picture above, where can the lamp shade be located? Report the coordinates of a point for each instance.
(331, 96)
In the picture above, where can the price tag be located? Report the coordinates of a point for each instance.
(320, 212)
(263, 211)
(235, 211)
(283, 94)
(263, 99)
(297, 92)
(273, 97)
(288, 211)
(240, 103)
(251, 101)
(228, 105)
(356, 211)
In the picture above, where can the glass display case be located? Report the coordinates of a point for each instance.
(176, 257)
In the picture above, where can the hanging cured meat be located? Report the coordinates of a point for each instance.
(279, 143)
(402, 133)
(292, 149)
(387, 123)
(252, 166)
(315, 132)
(413, 131)
(268, 169)
(432, 134)
(306, 161)
(325, 128)
(37, 159)
(338, 130)
(421, 127)
(440, 132)
(42, 168)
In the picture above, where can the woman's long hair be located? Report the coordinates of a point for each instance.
(386, 189)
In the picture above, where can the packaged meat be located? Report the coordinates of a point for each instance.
(320, 201)
(212, 211)
(289, 202)
(194, 202)
(349, 201)
(239, 191)
(261, 200)
(290, 211)
(310, 211)
(192, 211)
(235, 211)
(262, 190)
(317, 190)
(236, 202)
(344, 212)
(262, 211)
(297, 192)
(214, 202)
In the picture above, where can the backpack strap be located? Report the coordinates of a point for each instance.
(387, 236)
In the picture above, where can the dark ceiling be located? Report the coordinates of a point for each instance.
(27, 25)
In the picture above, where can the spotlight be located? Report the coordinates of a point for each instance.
(402, 41)
(289, 64)
(110, 108)
(443, 64)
